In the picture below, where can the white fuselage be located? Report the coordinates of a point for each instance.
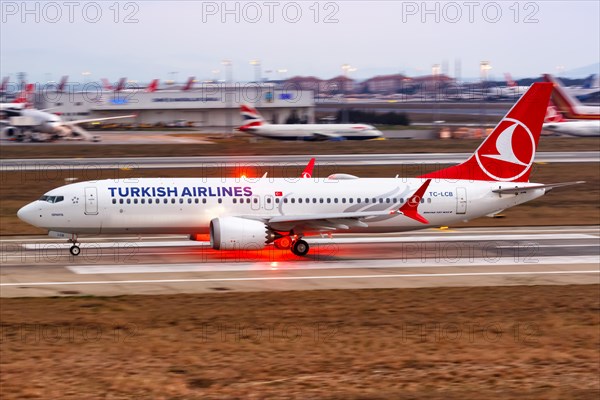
(316, 131)
(574, 128)
(187, 205)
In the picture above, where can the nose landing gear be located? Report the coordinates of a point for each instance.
(75, 249)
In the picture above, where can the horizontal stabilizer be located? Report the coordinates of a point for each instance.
(520, 189)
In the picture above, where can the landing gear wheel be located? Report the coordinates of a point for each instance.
(283, 243)
(75, 250)
(300, 248)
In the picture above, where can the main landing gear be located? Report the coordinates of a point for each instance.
(298, 246)
(75, 249)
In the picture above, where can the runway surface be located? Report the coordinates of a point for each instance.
(39, 266)
(287, 160)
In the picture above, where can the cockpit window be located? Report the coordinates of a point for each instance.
(52, 199)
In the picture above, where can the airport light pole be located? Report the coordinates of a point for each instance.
(256, 64)
(228, 81)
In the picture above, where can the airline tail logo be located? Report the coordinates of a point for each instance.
(250, 114)
(553, 114)
(508, 153)
(514, 148)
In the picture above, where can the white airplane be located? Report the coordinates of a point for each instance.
(569, 105)
(590, 87)
(511, 91)
(555, 122)
(250, 214)
(255, 124)
(22, 122)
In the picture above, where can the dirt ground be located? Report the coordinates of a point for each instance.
(246, 145)
(575, 205)
(444, 343)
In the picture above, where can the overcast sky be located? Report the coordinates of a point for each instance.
(175, 39)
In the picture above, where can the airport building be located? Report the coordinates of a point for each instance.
(207, 106)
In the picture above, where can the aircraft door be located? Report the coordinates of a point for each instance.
(461, 200)
(91, 201)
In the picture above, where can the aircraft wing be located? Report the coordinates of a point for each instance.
(320, 222)
(326, 135)
(522, 189)
(83, 121)
(345, 220)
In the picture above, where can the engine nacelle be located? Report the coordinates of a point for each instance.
(232, 233)
(10, 132)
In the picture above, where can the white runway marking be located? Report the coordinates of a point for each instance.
(289, 278)
(334, 240)
(228, 266)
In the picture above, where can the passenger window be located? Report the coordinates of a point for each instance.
(203, 201)
(350, 200)
(293, 200)
(268, 200)
(300, 200)
(343, 200)
(149, 201)
(180, 201)
(172, 201)
(114, 201)
(328, 200)
(128, 201)
(135, 201)
(335, 200)
(221, 200)
(255, 200)
(165, 201)
(189, 201)
(321, 200)
(285, 200)
(429, 200)
(143, 201)
(380, 200)
(234, 200)
(120, 201)
(277, 201)
(387, 200)
(196, 200)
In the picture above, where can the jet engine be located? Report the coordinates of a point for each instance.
(10, 132)
(233, 233)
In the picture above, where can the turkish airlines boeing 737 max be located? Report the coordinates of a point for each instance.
(245, 215)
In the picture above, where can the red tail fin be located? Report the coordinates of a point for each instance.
(507, 154)
(307, 173)
(189, 84)
(106, 84)
(61, 86)
(561, 98)
(25, 94)
(152, 86)
(121, 85)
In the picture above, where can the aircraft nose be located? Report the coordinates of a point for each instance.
(27, 214)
